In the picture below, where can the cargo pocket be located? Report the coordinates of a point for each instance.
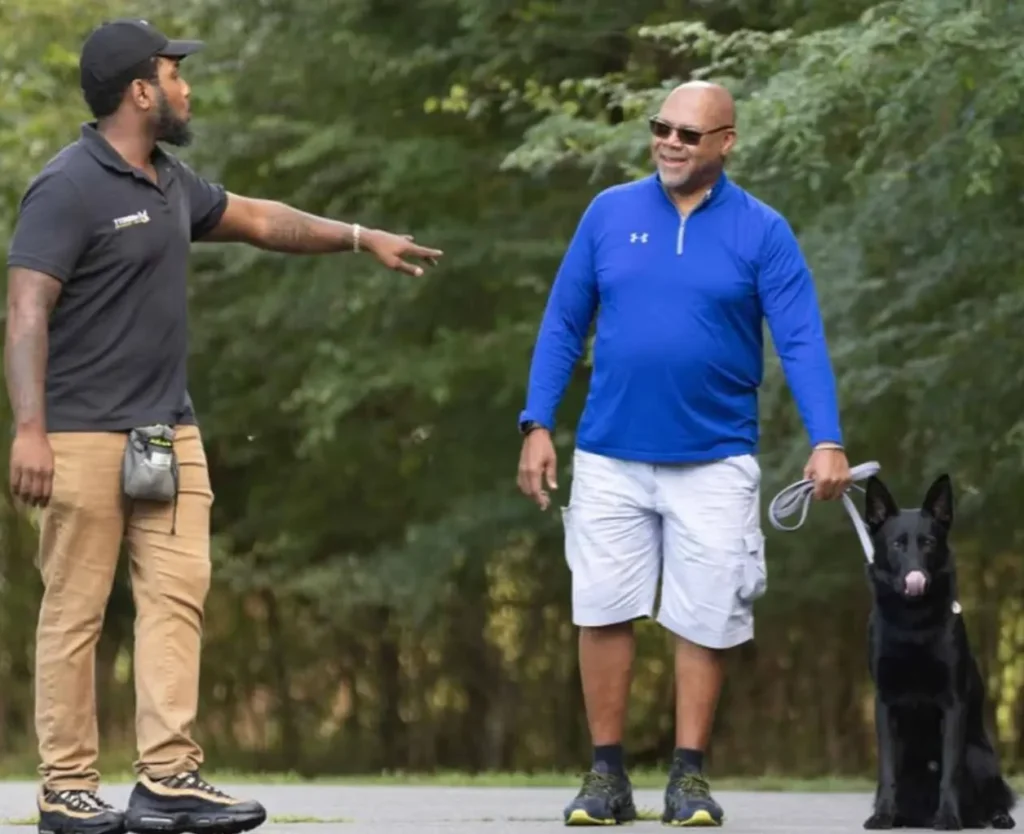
(754, 574)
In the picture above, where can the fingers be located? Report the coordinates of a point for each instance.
(531, 478)
(530, 485)
(32, 486)
(17, 479)
(408, 268)
(537, 492)
(822, 488)
(830, 473)
(549, 474)
(429, 255)
(424, 252)
(37, 493)
(830, 487)
(412, 269)
(419, 251)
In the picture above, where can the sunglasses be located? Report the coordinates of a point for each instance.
(686, 135)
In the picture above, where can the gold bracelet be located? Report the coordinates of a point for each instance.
(355, 238)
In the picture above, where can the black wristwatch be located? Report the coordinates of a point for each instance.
(528, 426)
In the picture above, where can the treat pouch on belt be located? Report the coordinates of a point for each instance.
(150, 468)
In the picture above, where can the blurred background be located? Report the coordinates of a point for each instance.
(384, 598)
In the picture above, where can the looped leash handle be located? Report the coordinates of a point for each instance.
(797, 497)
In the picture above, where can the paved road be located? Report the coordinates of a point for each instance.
(306, 809)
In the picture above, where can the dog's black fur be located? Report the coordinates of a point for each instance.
(937, 767)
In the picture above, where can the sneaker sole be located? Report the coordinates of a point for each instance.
(76, 826)
(581, 817)
(193, 823)
(701, 819)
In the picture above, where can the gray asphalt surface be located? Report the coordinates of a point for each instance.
(397, 810)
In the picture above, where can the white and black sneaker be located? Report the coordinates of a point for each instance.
(77, 812)
(188, 803)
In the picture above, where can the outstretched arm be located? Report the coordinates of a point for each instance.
(217, 215)
(277, 227)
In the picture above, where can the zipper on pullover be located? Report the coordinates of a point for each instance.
(684, 217)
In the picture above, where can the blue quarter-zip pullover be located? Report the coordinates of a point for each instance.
(678, 352)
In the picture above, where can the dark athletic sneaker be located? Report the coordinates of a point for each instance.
(604, 799)
(688, 801)
(76, 812)
(188, 803)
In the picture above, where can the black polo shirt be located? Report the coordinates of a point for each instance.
(119, 245)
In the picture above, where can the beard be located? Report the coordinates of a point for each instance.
(695, 174)
(170, 127)
(696, 179)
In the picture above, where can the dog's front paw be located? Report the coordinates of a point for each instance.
(1001, 819)
(947, 819)
(879, 820)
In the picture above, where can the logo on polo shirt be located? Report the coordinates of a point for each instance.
(131, 219)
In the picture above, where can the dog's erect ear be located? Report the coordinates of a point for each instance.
(938, 501)
(878, 504)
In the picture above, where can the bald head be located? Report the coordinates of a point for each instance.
(692, 134)
(699, 104)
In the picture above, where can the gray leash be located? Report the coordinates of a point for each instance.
(797, 497)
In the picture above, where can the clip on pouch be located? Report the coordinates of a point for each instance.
(150, 468)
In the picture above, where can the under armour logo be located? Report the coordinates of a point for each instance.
(633, 238)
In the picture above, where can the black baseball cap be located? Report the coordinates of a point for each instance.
(115, 46)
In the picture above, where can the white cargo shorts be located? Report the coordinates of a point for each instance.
(692, 529)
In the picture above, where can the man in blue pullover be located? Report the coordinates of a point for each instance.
(680, 269)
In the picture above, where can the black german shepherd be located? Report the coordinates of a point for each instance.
(937, 767)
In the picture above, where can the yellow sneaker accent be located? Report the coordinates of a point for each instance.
(699, 818)
(581, 817)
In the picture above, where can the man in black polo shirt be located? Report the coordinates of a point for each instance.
(106, 438)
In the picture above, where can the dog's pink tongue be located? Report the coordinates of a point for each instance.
(915, 583)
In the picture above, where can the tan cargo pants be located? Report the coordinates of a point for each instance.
(80, 537)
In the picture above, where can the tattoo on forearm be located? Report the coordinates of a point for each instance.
(293, 231)
(30, 298)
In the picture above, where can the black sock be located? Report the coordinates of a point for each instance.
(685, 759)
(608, 758)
